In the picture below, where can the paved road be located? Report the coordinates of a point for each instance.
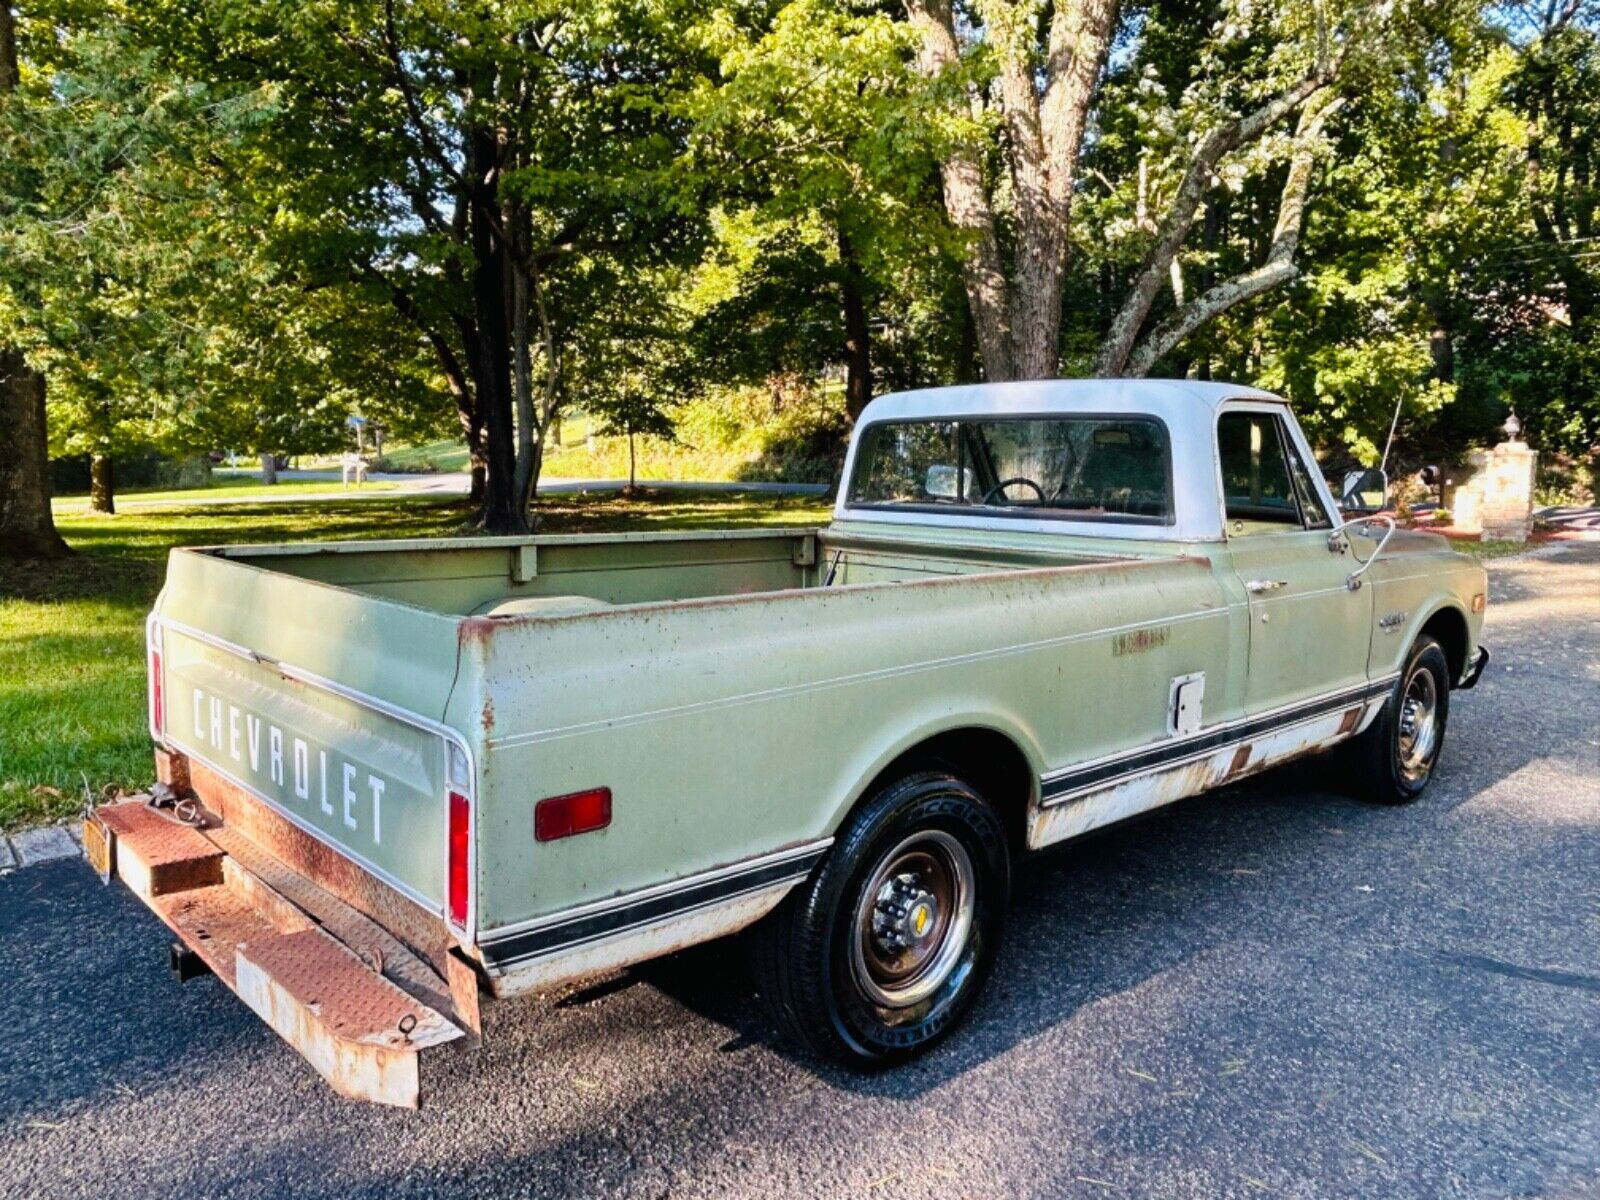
(1278, 992)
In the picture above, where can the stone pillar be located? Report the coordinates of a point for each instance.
(1496, 501)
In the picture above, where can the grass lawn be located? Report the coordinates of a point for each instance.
(72, 683)
(448, 455)
(606, 457)
(221, 487)
(1489, 549)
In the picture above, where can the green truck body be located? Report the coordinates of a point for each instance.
(738, 694)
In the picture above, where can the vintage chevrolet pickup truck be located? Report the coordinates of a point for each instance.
(400, 777)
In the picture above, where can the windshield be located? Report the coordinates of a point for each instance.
(1082, 468)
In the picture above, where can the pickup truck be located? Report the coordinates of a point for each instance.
(400, 780)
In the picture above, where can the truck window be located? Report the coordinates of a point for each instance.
(1311, 506)
(1075, 468)
(1256, 492)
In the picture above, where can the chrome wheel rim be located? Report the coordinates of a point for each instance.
(913, 919)
(1419, 725)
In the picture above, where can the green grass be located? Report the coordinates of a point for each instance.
(447, 455)
(72, 676)
(221, 487)
(1491, 549)
(714, 454)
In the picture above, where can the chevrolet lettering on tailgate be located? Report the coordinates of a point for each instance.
(284, 766)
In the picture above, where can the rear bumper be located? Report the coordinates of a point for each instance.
(348, 995)
(1469, 677)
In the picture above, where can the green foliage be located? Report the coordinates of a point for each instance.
(819, 134)
(232, 223)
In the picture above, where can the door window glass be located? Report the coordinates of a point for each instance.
(1311, 506)
(1257, 494)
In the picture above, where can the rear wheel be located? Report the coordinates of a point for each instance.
(1394, 759)
(882, 951)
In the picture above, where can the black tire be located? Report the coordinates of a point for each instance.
(816, 963)
(1392, 762)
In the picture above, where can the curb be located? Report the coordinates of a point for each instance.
(44, 843)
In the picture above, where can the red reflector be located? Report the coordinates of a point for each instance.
(563, 816)
(460, 857)
(158, 703)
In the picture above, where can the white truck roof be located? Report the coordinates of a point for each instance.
(1164, 398)
(1187, 407)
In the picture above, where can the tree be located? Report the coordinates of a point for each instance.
(1552, 370)
(466, 166)
(1426, 285)
(1022, 91)
(112, 255)
(27, 528)
(829, 221)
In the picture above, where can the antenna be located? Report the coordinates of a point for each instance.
(1383, 463)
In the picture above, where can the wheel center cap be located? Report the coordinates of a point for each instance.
(906, 915)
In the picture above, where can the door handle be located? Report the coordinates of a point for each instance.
(1256, 586)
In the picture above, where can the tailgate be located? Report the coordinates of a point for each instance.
(356, 773)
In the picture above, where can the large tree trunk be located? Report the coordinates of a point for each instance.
(857, 334)
(1017, 318)
(102, 484)
(269, 469)
(27, 529)
(491, 351)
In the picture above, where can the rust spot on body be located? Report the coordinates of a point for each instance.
(1241, 759)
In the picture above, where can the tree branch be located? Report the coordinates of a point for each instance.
(406, 305)
(1079, 34)
(1279, 267)
(1180, 216)
(408, 95)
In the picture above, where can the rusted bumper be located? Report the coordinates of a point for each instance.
(355, 1002)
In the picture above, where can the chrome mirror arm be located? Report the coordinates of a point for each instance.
(1355, 576)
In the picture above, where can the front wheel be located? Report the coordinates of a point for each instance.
(882, 951)
(1394, 759)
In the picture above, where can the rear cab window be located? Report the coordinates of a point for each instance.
(1081, 468)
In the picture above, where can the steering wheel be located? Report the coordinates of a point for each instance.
(1015, 479)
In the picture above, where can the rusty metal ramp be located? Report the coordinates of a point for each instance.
(362, 1020)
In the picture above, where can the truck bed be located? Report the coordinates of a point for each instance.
(336, 685)
(569, 574)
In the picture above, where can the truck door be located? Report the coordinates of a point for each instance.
(1309, 632)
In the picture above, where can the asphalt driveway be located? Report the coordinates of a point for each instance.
(1277, 991)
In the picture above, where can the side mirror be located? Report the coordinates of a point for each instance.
(1364, 491)
(941, 483)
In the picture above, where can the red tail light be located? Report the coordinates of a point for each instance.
(563, 816)
(460, 858)
(158, 701)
